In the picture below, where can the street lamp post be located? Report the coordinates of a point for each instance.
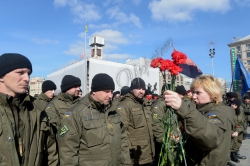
(211, 54)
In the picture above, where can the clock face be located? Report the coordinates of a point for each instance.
(99, 40)
(91, 41)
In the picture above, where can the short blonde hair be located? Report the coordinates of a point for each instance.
(211, 85)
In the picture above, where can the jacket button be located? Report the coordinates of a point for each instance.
(10, 139)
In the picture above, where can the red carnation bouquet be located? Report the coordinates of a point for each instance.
(172, 144)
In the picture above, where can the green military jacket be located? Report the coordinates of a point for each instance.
(91, 135)
(246, 106)
(139, 129)
(42, 101)
(209, 133)
(38, 146)
(158, 110)
(58, 107)
(239, 121)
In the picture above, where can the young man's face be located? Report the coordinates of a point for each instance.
(247, 100)
(50, 93)
(74, 91)
(15, 82)
(139, 93)
(103, 97)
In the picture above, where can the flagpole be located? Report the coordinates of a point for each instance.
(85, 43)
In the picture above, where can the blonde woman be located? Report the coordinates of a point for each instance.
(208, 123)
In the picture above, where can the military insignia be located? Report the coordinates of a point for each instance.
(214, 120)
(67, 114)
(48, 106)
(119, 107)
(155, 116)
(63, 131)
(211, 115)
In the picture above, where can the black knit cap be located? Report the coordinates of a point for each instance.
(13, 61)
(181, 90)
(69, 81)
(137, 83)
(125, 90)
(101, 82)
(246, 97)
(233, 95)
(48, 85)
(236, 102)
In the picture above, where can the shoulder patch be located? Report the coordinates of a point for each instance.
(47, 107)
(67, 114)
(63, 131)
(155, 116)
(211, 115)
(156, 106)
(119, 107)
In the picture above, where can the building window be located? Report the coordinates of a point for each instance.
(239, 55)
(248, 47)
(248, 69)
(248, 62)
(238, 48)
(248, 54)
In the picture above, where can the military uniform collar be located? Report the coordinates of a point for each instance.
(43, 96)
(68, 97)
(135, 99)
(204, 107)
(94, 104)
(17, 101)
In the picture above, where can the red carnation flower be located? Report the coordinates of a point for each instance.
(156, 62)
(166, 65)
(175, 69)
(178, 57)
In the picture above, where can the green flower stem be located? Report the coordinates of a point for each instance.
(171, 151)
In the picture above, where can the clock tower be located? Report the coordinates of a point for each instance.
(96, 43)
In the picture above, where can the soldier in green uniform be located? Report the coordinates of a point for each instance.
(68, 97)
(208, 125)
(246, 106)
(183, 94)
(116, 97)
(237, 135)
(125, 90)
(92, 132)
(138, 124)
(25, 135)
(47, 94)
(158, 114)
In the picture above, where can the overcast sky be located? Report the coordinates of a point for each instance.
(51, 32)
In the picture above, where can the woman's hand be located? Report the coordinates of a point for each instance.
(172, 99)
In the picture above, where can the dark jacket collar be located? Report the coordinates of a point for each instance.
(16, 101)
(67, 97)
(89, 101)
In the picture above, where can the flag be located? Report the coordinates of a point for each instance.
(86, 28)
(190, 69)
(241, 73)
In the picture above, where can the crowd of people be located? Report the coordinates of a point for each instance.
(112, 128)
